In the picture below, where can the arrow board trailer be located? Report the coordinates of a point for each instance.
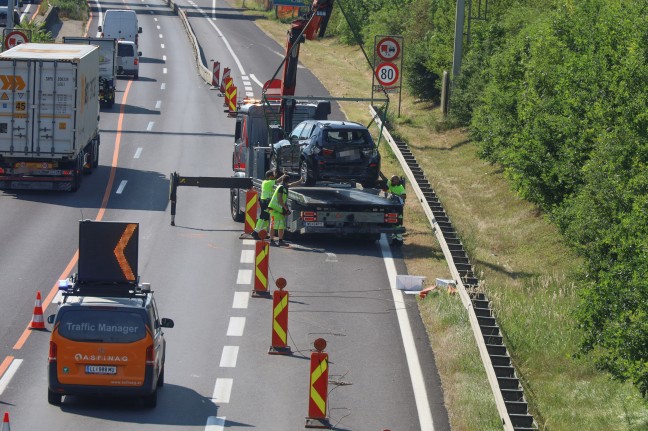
(49, 115)
(107, 65)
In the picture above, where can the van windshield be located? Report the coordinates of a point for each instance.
(102, 326)
(125, 50)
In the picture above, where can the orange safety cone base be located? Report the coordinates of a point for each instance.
(317, 423)
(279, 350)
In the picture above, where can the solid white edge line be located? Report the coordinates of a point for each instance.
(255, 79)
(215, 423)
(8, 375)
(222, 391)
(138, 153)
(121, 187)
(229, 356)
(227, 44)
(236, 327)
(413, 364)
(241, 300)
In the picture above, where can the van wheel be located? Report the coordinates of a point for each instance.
(150, 401)
(160, 382)
(53, 398)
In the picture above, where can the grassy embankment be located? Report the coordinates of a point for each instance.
(527, 272)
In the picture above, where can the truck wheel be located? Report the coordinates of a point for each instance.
(77, 177)
(306, 174)
(53, 398)
(237, 214)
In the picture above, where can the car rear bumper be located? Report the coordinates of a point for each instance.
(149, 386)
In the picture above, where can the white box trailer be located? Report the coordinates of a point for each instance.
(107, 65)
(49, 115)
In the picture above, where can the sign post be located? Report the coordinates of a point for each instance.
(387, 63)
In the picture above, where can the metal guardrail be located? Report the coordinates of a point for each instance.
(465, 298)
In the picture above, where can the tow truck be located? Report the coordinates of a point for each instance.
(330, 208)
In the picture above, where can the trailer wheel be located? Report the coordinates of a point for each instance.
(237, 214)
(78, 173)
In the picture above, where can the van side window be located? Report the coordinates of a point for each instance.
(153, 316)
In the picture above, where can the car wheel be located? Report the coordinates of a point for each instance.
(150, 401)
(160, 382)
(237, 214)
(53, 398)
(306, 174)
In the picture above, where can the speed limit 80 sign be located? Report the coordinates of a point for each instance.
(387, 74)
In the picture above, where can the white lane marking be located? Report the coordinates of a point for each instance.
(215, 423)
(228, 358)
(155, 19)
(214, 9)
(158, 27)
(150, 126)
(164, 58)
(241, 300)
(158, 104)
(222, 391)
(413, 364)
(121, 187)
(236, 327)
(162, 45)
(138, 153)
(249, 94)
(249, 242)
(244, 276)
(247, 256)
(163, 86)
(160, 35)
(164, 70)
(100, 17)
(224, 39)
(245, 79)
(248, 88)
(331, 257)
(254, 78)
(6, 378)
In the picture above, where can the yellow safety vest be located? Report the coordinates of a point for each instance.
(275, 203)
(267, 187)
(395, 190)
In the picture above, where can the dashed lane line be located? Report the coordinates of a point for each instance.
(247, 256)
(215, 423)
(244, 276)
(121, 187)
(229, 356)
(236, 327)
(222, 391)
(138, 153)
(241, 300)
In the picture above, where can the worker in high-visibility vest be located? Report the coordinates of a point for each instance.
(267, 189)
(278, 208)
(395, 187)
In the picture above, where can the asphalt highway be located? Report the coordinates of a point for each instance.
(218, 371)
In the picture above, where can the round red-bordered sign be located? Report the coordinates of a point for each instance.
(387, 74)
(14, 38)
(388, 49)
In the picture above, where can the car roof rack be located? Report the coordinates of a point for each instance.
(108, 289)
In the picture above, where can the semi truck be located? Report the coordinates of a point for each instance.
(49, 116)
(341, 209)
(107, 65)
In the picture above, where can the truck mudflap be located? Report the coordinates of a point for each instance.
(64, 184)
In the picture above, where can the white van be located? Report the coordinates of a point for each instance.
(120, 24)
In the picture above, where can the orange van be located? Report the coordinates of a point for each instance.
(109, 344)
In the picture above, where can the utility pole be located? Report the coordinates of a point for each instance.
(11, 5)
(458, 43)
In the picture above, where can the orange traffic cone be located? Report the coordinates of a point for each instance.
(5, 422)
(37, 319)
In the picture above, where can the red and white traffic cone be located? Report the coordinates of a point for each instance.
(5, 422)
(37, 321)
